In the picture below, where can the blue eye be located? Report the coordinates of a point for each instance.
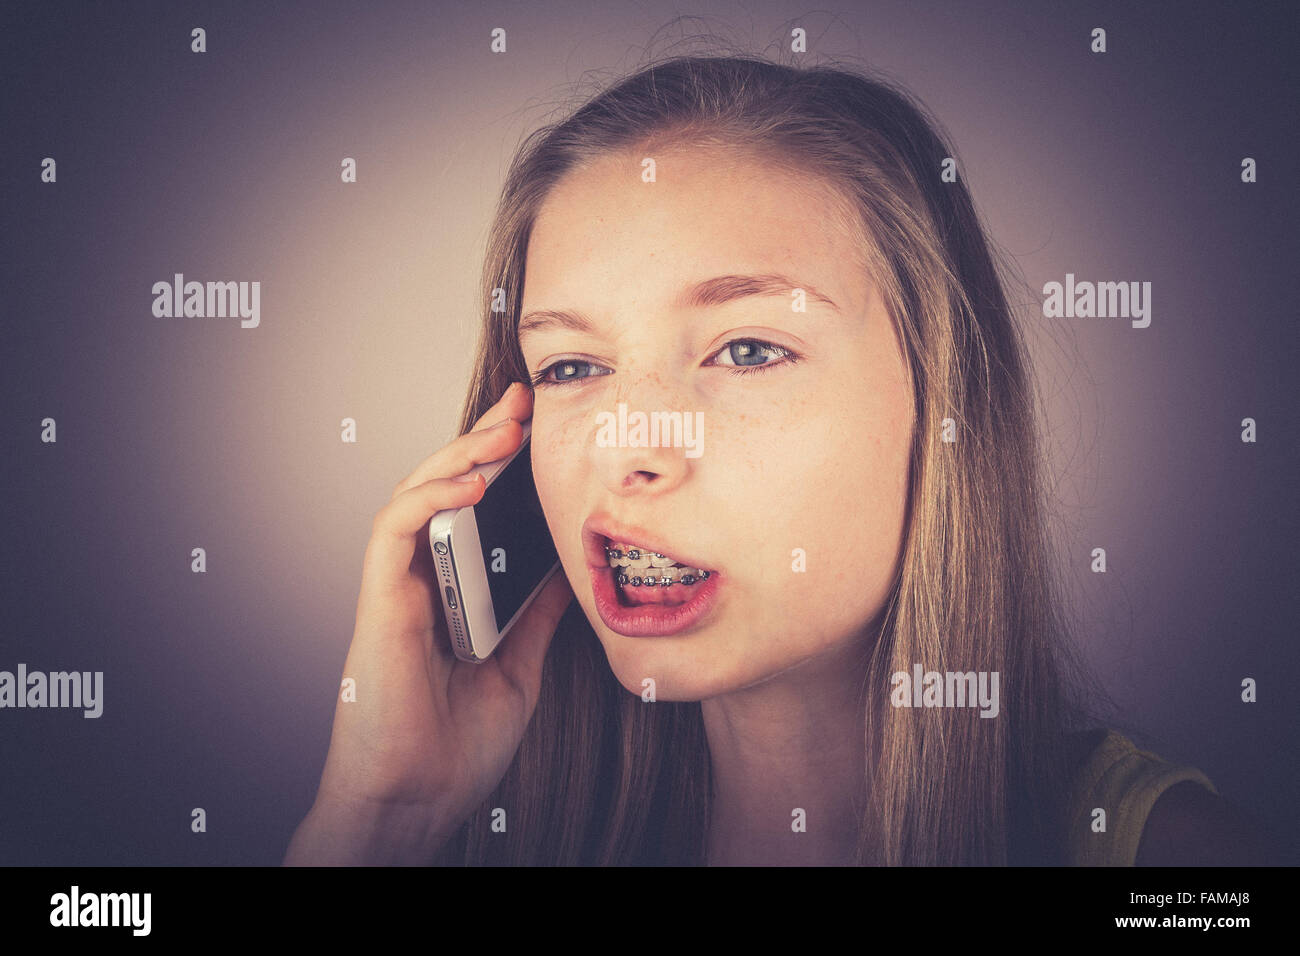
(569, 369)
(740, 351)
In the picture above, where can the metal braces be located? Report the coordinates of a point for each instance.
(650, 581)
(637, 582)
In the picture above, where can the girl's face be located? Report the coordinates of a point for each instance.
(796, 493)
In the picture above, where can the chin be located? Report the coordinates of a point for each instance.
(680, 674)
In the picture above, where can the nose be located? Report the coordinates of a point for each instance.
(637, 443)
(641, 471)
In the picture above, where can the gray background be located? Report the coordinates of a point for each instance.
(174, 433)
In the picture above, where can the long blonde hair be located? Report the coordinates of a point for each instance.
(603, 778)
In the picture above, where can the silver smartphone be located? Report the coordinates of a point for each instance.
(492, 558)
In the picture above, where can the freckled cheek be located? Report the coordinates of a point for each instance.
(559, 457)
(835, 563)
(762, 490)
(870, 503)
(833, 508)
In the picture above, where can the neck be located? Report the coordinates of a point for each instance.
(793, 742)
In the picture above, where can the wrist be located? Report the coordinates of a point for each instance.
(336, 833)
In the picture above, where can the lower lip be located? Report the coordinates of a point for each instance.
(651, 620)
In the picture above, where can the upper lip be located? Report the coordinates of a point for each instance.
(598, 527)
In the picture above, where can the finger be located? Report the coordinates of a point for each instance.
(399, 523)
(470, 449)
(516, 402)
(521, 653)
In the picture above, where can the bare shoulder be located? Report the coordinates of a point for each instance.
(1190, 826)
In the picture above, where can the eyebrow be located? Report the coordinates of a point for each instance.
(711, 292)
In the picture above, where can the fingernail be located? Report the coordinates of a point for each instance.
(500, 423)
(470, 476)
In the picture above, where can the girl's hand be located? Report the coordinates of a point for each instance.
(429, 736)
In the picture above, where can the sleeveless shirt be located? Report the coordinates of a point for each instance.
(1125, 782)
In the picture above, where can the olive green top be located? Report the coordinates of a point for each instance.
(1124, 782)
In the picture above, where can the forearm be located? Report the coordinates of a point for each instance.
(337, 836)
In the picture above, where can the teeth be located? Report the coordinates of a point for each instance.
(650, 569)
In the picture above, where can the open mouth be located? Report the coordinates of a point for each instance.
(648, 577)
(645, 590)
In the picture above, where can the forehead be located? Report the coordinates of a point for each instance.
(709, 211)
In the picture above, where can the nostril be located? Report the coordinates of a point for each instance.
(640, 478)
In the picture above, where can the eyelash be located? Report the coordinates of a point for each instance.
(789, 358)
